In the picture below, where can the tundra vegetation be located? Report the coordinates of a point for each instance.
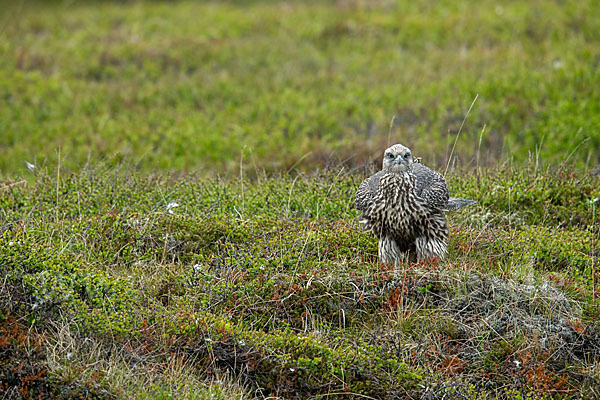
(184, 225)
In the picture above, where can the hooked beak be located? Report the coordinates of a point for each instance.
(399, 160)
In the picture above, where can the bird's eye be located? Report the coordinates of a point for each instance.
(389, 155)
(407, 155)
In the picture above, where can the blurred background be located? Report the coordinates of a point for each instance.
(281, 85)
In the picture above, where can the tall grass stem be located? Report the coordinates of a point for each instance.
(459, 131)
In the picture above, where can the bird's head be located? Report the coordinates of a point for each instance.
(397, 159)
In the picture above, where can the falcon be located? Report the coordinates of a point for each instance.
(403, 205)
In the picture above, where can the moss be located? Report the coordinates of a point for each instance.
(293, 365)
(93, 299)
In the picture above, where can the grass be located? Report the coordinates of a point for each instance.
(270, 284)
(186, 227)
(205, 86)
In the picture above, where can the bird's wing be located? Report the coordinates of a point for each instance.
(431, 186)
(366, 191)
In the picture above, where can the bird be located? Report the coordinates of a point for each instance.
(403, 206)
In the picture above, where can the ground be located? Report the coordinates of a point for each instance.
(118, 283)
(185, 225)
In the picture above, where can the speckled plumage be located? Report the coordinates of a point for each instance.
(403, 206)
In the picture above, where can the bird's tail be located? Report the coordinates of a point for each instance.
(455, 204)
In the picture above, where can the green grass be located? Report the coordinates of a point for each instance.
(271, 284)
(205, 86)
(189, 231)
